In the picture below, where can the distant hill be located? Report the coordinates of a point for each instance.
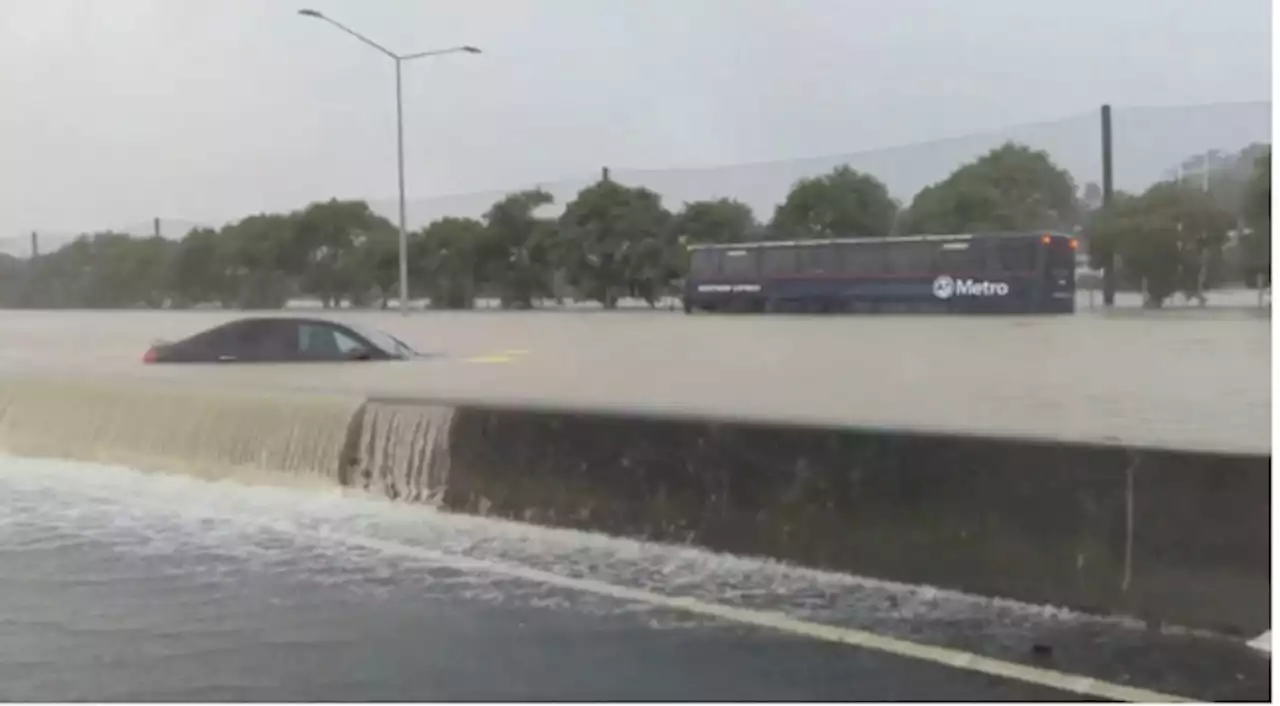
(1148, 142)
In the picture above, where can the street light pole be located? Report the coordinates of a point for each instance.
(399, 60)
(404, 232)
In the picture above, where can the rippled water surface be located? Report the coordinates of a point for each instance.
(120, 585)
(1197, 379)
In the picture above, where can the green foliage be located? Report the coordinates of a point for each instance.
(719, 221)
(1167, 238)
(844, 203)
(614, 240)
(1256, 213)
(1011, 188)
(517, 249)
(447, 257)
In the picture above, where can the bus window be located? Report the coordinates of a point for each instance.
(910, 258)
(1013, 255)
(819, 260)
(704, 263)
(865, 259)
(778, 261)
(958, 258)
(739, 263)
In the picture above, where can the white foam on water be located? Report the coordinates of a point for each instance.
(403, 451)
(676, 570)
(340, 528)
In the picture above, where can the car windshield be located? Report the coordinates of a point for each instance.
(385, 341)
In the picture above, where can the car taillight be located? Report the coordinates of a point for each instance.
(150, 356)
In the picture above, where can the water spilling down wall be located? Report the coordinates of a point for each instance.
(1175, 536)
(205, 431)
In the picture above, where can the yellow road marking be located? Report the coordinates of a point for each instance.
(507, 356)
(491, 359)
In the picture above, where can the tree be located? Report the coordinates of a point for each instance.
(200, 271)
(1256, 213)
(718, 221)
(330, 251)
(13, 277)
(261, 253)
(1011, 188)
(1166, 238)
(616, 240)
(515, 257)
(844, 203)
(446, 255)
(383, 258)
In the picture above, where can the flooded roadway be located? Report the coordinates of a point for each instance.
(1194, 380)
(123, 586)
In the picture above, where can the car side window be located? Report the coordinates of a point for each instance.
(265, 341)
(228, 339)
(321, 342)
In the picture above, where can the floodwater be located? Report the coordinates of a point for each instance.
(119, 585)
(1194, 379)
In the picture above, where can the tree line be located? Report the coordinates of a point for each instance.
(614, 240)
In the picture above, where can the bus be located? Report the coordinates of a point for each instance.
(999, 273)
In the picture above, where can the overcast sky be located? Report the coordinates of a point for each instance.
(112, 111)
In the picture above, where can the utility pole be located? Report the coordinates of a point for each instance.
(1109, 257)
(155, 226)
(35, 245)
(604, 174)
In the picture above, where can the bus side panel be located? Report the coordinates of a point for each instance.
(1010, 294)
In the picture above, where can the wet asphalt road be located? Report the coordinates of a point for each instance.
(286, 639)
(119, 586)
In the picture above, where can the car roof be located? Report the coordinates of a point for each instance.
(284, 319)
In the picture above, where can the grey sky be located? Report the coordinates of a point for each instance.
(117, 110)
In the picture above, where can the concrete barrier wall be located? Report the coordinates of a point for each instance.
(1174, 536)
(1178, 537)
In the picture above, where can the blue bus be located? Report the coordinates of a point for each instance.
(1001, 273)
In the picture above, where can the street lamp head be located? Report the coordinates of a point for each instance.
(305, 12)
(471, 50)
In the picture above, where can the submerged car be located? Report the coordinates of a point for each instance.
(282, 340)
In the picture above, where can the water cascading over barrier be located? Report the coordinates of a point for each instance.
(1161, 534)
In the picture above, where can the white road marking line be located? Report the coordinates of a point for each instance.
(957, 659)
(1261, 642)
(1072, 683)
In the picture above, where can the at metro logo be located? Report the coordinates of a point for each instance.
(974, 288)
(945, 287)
